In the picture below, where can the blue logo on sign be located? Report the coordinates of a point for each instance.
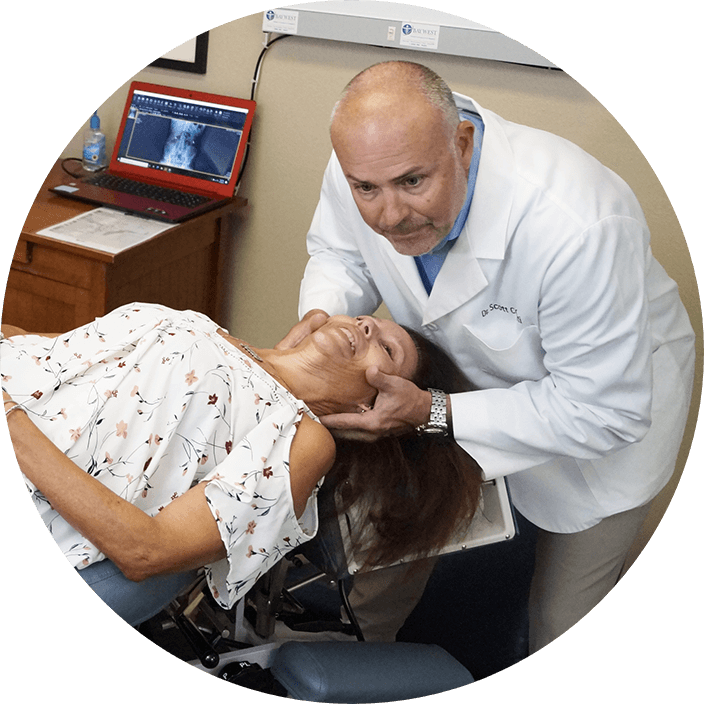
(407, 29)
(270, 15)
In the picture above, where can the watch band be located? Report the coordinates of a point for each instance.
(437, 425)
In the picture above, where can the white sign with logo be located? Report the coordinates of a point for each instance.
(419, 36)
(280, 21)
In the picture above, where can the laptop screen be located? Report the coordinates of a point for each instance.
(182, 135)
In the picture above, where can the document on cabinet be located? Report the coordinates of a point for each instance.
(106, 230)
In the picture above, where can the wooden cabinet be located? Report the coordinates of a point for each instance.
(55, 286)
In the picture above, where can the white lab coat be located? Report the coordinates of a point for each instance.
(553, 305)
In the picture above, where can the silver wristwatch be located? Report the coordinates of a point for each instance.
(437, 425)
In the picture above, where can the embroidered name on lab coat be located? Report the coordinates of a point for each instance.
(510, 310)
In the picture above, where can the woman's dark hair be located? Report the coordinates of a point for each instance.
(413, 493)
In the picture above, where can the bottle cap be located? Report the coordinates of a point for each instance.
(95, 121)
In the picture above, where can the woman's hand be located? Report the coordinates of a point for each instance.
(399, 408)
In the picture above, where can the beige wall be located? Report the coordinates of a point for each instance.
(300, 81)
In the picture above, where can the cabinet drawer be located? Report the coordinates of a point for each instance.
(55, 265)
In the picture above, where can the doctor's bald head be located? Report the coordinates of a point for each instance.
(402, 80)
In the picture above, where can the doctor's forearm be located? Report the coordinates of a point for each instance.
(509, 430)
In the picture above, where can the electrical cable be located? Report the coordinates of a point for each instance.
(257, 68)
(83, 172)
(255, 83)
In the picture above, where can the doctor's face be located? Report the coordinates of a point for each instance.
(407, 171)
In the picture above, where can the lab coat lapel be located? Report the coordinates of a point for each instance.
(460, 279)
(404, 273)
(485, 234)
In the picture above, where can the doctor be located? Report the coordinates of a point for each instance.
(529, 261)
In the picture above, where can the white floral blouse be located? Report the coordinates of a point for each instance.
(149, 401)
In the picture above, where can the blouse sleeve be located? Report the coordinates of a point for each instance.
(249, 495)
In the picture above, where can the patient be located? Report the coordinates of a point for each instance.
(155, 443)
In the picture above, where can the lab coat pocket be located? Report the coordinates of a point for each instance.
(519, 360)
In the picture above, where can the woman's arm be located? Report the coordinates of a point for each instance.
(312, 456)
(182, 536)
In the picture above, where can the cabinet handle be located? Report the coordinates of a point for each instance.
(23, 252)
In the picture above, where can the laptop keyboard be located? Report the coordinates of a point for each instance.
(147, 190)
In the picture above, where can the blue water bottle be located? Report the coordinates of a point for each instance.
(94, 157)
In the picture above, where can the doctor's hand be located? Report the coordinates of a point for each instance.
(310, 322)
(398, 409)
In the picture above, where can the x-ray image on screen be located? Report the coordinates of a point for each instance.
(192, 139)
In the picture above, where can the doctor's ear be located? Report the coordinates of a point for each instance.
(464, 141)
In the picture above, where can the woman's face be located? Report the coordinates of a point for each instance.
(345, 348)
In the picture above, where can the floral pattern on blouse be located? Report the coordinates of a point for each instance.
(149, 401)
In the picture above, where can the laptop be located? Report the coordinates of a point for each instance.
(178, 153)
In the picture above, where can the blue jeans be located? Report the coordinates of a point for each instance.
(135, 602)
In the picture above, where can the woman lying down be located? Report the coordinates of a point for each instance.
(155, 443)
